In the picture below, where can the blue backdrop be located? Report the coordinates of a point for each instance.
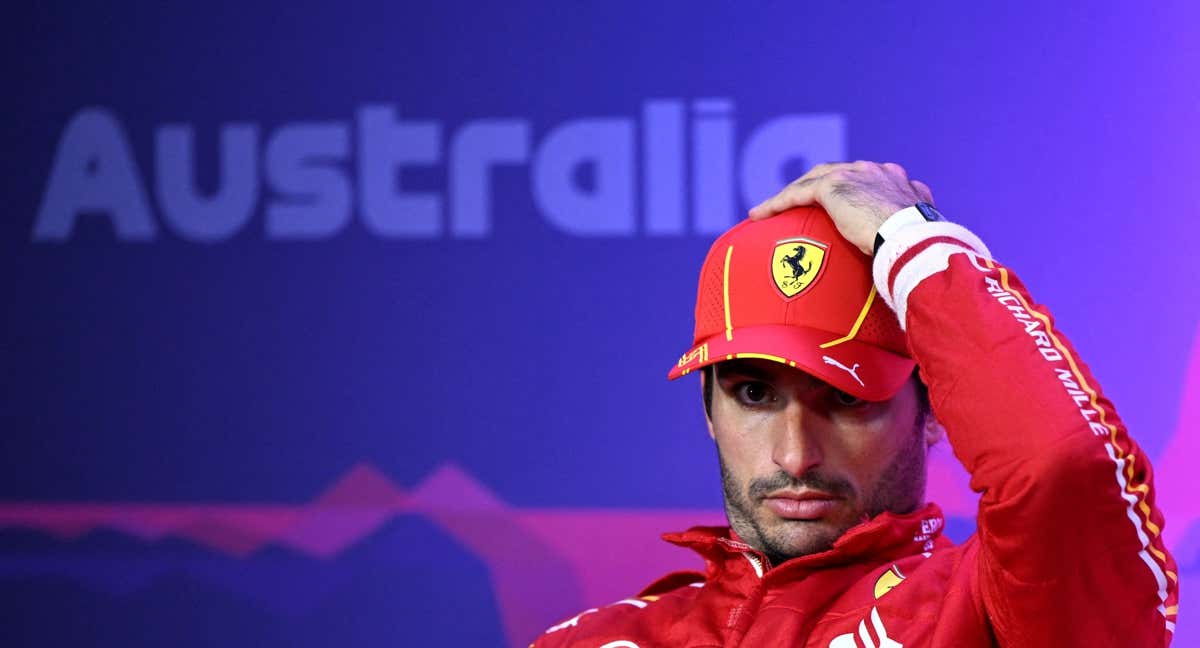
(350, 324)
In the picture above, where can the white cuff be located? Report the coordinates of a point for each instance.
(897, 269)
(903, 218)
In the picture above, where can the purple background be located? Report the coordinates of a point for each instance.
(495, 408)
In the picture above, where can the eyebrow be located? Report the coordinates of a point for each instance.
(741, 368)
(745, 369)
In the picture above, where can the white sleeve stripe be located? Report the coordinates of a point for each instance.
(926, 263)
(1131, 501)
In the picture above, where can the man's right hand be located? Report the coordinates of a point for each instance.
(858, 196)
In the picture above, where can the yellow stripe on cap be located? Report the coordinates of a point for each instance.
(725, 288)
(862, 316)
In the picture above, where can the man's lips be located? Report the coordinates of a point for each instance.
(805, 505)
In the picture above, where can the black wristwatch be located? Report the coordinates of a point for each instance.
(930, 212)
(923, 209)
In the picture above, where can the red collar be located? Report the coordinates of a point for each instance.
(887, 536)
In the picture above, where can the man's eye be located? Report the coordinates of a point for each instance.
(754, 393)
(847, 400)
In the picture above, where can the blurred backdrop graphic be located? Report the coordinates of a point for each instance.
(350, 324)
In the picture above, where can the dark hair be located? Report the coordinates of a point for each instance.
(923, 407)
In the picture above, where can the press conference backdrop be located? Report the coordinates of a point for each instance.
(349, 325)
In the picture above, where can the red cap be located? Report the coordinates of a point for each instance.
(791, 289)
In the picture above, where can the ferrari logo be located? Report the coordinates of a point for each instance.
(890, 579)
(796, 265)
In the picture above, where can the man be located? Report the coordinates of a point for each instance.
(808, 327)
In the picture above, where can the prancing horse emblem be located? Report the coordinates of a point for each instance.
(796, 264)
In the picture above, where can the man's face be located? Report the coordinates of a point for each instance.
(802, 462)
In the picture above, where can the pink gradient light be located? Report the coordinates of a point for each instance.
(609, 553)
(1175, 469)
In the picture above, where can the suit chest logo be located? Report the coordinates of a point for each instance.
(890, 579)
(873, 636)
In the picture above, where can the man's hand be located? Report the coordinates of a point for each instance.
(859, 196)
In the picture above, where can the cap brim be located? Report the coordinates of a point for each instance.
(859, 369)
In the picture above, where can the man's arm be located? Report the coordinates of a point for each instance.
(1071, 549)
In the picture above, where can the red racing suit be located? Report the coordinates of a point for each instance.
(1068, 549)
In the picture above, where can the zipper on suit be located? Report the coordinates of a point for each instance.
(758, 564)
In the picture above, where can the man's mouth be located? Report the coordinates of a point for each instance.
(802, 505)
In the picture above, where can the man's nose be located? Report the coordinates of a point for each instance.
(797, 448)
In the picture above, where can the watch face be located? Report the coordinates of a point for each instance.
(930, 212)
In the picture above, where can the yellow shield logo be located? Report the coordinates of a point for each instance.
(890, 579)
(797, 264)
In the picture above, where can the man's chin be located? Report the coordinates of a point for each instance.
(794, 538)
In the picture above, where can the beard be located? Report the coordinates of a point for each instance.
(900, 488)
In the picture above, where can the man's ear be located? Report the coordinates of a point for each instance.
(933, 430)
